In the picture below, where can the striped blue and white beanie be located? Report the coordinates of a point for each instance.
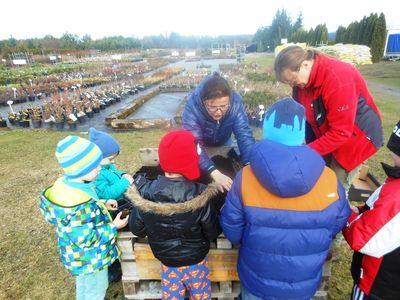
(77, 156)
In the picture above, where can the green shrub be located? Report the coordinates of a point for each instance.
(254, 98)
(259, 77)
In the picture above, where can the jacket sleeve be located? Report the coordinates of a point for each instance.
(136, 224)
(144, 186)
(191, 122)
(232, 216)
(87, 231)
(209, 222)
(243, 132)
(344, 210)
(375, 232)
(341, 107)
(110, 190)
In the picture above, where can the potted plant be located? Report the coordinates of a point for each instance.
(48, 119)
(12, 118)
(36, 117)
(31, 93)
(80, 111)
(72, 120)
(58, 113)
(96, 105)
(24, 118)
(89, 109)
(3, 122)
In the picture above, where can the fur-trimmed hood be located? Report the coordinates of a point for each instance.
(168, 209)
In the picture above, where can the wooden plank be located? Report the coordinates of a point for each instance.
(326, 271)
(221, 263)
(320, 295)
(149, 156)
(129, 268)
(223, 243)
(152, 290)
(225, 287)
(125, 245)
(129, 287)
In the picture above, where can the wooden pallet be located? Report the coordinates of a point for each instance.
(141, 271)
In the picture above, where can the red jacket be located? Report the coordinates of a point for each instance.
(341, 112)
(375, 236)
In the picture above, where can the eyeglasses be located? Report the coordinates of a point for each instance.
(215, 108)
(291, 77)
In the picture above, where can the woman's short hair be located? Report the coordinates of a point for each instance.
(215, 87)
(291, 58)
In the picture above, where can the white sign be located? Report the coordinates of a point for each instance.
(190, 53)
(52, 57)
(116, 56)
(216, 51)
(19, 61)
(174, 53)
(283, 41)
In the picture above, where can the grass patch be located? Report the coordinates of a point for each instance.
(390, 82)
(383, 69)
(263, 60)
(29, 265)
(341, 281)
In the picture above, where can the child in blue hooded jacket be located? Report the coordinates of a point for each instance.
(284, 210)
(111, 182)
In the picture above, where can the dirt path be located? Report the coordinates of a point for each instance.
(384, 89)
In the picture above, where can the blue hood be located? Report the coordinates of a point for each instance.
(286, 171)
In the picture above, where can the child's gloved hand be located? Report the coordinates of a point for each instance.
(112, 204)
(120, 222)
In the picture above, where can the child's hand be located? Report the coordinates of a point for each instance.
(223, 182)
(112, 204)
(119, 222)
(128, 177)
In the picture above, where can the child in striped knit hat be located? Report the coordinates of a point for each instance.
(85, 232)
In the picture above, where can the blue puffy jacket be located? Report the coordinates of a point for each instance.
(209, 132)
(284, 210)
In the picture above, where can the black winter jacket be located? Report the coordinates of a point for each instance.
(178, 218)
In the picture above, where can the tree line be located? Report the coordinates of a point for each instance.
(68, 42)
(370, 31)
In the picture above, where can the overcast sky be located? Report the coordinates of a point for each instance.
(98, 18)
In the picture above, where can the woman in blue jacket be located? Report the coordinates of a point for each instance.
(212, 114)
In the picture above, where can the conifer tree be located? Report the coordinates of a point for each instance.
(370, 28)
(378, 39)
(340, 34)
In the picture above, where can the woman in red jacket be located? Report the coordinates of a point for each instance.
(345, 123)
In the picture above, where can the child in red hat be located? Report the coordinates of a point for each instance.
(178, 218)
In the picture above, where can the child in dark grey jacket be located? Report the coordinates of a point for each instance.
(176, 215)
